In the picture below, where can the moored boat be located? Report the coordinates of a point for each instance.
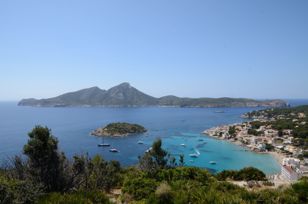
(113, 150)
(194, 155)
(103, 145)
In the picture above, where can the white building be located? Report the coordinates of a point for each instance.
(261, 147)
(292, 162)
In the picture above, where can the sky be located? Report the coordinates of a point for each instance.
(200, 48)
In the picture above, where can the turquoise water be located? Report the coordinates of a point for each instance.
(174, 126)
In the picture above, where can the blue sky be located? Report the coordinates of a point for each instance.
(255, 49)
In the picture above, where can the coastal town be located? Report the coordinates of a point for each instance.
(276, 133)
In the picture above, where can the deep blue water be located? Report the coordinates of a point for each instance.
(173, 125)
(297, 102)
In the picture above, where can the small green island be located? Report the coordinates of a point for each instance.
(119, 129)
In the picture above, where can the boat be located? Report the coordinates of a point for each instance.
(113, 150)
(103, 145)
(197, 152)
(140, 142)
(183, 145)
(200, 140)
(219, 111)
(212, 162)
(148, 150)
(195, 155)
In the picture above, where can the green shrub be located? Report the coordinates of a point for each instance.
(184, 173)
(75, 198)
(254, 132)
(6, 196)
(16, 191)
(164, 193)
(224, 175)
(232, 130)
(139, 187)
(245, 174)
(301, 189)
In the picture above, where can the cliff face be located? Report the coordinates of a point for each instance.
(124, 95)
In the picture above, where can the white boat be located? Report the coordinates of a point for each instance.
(195, 155)
(148, 150)
(212, 162)
(140, 142)
(197, 152)
(113, 150)
(183, 145)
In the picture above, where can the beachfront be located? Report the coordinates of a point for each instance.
(260, 138)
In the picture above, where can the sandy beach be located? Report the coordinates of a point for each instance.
(277, 156)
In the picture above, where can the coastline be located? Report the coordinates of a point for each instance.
(276, 155)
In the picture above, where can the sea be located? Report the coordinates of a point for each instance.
(180, 130)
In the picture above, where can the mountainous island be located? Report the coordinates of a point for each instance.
(124, 95)
(119, 129)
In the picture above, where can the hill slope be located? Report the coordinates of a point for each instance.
(124, 95)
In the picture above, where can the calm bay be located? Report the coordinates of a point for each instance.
(175, 126)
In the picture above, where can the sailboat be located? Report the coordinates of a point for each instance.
(103, 144)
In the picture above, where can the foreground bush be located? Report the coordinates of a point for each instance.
(46, 163)
(245, 174)
(139, 187)
(16, 191)
(75, 198)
